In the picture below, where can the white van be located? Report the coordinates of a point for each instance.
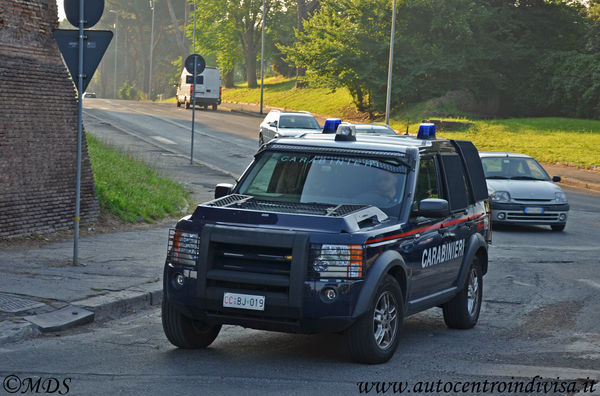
(207, 90)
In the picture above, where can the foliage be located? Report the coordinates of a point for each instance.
(129, 189)
(130, 92)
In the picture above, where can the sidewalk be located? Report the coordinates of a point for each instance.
(42, 292)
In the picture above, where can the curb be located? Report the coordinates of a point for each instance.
(580, 184)
(105, 307)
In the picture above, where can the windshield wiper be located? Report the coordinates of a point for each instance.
(524, 178)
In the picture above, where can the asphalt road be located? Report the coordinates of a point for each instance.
(540, 316)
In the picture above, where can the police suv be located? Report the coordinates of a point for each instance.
(334, 233)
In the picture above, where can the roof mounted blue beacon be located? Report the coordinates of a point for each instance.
(331, 125)
(426, 131)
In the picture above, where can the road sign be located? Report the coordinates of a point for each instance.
(92, 11)
(200, 64)
(95, 45)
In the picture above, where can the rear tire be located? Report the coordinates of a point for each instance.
(184, 332)
(214, 107)
(462, 312)
(373, 338)
(187, 104)
(205, 107)
(558, 227)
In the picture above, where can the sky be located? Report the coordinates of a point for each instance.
(61, 10)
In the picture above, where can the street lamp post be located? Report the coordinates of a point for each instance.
(151, 50)
(262, 57)
(390, 65)
(116, 43)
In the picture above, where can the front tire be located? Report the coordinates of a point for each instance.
(373, 339)
(184, 332)
(462, 312)
(178, 103)
(214, 107)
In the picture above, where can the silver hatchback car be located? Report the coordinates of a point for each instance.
(521, 192)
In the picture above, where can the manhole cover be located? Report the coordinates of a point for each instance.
(13, 304)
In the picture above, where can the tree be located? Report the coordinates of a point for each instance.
(305, 9)
(231, 23)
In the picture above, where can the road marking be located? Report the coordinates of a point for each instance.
(590, 283)
(163, 140)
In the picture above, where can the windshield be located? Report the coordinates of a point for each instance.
(298, 121)
(513, 168)
(327, 179)
(375, 129)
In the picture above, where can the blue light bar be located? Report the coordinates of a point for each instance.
(426, 131)
(331, 125)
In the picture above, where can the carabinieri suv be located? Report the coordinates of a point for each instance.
(334, 233)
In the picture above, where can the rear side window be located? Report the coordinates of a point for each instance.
(456, 181)
(190, 79)
(427, 181)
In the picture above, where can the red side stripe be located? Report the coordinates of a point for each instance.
(432, 227)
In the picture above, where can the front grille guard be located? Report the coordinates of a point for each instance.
(183, 248)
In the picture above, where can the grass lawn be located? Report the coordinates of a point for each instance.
(565, 140)
(129, 189)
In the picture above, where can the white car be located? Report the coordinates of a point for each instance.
(286, 124)
(521, 192)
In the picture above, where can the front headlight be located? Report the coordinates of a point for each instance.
(500, 196)
(560, 197)
(185, 248)
(339, 261)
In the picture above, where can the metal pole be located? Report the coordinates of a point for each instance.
(151, 50)
(116, 43)
(79, 133)
(194, 92)
(390, 65)
(262, 58)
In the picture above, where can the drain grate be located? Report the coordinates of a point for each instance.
(12, 304)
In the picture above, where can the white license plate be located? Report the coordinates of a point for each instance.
(534, 210)
(244, 301)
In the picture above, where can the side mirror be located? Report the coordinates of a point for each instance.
(556, 179)
(433, 207)
(223, 189)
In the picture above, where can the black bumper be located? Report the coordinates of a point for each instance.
(235, 260)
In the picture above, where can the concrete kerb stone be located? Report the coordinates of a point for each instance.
(117, 304)
(94, 309)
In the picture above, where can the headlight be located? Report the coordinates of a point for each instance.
(560, 197)
(184, 248)
(500, 196)
(339, 261)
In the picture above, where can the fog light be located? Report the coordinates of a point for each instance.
(562, 217)
(179, 279)
(329, 294)
(501, 216)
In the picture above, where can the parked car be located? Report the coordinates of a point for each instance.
(286, 124)
(374, 129)
(521, 192)
(89, 94)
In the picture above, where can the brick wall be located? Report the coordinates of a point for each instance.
(38, 126)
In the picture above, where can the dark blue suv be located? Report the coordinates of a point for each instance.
(334, 233)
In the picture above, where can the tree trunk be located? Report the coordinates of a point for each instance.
(178, 35)
(228, 79)
(251, 59)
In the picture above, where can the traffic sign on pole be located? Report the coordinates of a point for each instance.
(92, 12)
(95, 44)
(197, 61)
